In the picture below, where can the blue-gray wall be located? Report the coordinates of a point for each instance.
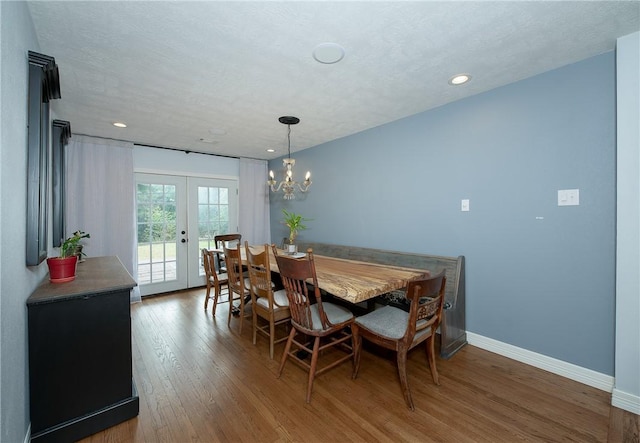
(17, 36)
(539, 276)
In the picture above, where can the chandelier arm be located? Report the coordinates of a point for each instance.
(275, 188)
(304, 187)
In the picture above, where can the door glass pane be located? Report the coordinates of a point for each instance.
(156, 233)
(213, 216)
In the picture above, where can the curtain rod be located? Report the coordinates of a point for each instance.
(186, 151)
(189, 151)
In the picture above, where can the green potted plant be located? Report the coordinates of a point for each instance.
(294, 223)
(63, 268)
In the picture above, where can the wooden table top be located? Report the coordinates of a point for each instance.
(355, 281)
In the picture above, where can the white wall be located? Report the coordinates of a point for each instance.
(17, 282)
(164, 161)
(626, 393)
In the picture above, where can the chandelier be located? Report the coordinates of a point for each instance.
(289, 185)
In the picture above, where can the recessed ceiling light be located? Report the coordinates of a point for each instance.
(120, 125)
(459, 79)
(271, 150)
(328, 53)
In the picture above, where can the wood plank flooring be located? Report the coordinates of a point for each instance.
(201, 381)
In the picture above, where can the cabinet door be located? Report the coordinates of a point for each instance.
(80, 357)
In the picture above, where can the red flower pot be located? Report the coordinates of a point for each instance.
(62, 270)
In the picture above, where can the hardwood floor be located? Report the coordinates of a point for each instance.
(200, 381)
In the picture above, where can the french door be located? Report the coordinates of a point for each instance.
(177, 216)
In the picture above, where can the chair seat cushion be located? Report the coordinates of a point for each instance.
(391, 323)
(335, 314)
(279, 298)
(387, 322)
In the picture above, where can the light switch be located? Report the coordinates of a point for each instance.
(568, 197)
(464, 206)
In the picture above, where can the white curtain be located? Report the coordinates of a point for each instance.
(253, 195)
(100, 198)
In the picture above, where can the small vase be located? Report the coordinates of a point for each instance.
(62, 270)
(292, 248)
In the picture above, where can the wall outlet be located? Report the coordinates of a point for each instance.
(464, 205)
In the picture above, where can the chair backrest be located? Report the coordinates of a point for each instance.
(207, 263)
(220, 242)
(233, 261)
(426, 298)
(295, 272)
(259, 272)
(227, 240)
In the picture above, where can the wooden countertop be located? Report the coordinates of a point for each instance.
(94, 276)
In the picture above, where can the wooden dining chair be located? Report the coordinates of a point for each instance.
(220, 242)
(214, 280)
(398, 330)
(238, 285)
(314, 322)
(267, 303)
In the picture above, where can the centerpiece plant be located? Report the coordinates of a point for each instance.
(295, 224)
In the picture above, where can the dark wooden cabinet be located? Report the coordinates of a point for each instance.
(80, 368)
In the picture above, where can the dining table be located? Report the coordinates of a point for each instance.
(352, 280)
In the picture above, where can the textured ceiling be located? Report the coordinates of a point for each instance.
(178, 72)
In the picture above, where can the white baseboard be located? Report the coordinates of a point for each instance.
(555, 366)
(626, 401)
